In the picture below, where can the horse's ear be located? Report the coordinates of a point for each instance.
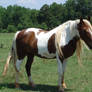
(81, 20)
(88, 18)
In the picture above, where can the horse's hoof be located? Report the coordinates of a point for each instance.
(32, 84)
(64, 85)
(17, 85)
(3, 74)
(62, 90)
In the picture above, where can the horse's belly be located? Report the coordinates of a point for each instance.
(43, 52)
(47, 56)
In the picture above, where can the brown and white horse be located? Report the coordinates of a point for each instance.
(60, 43)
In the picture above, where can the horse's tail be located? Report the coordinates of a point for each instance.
(12, 56)
(57, 43)
(7, 64)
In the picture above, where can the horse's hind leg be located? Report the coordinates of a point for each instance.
(28, 68)
(17, 68)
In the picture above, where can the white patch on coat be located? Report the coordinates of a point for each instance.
(36, 30)
(18, 63)
(42, 44)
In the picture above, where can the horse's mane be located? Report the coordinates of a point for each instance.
(79, 50)
(57, 43)
(57, 39)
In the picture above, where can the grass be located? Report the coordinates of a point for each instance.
(44, 72)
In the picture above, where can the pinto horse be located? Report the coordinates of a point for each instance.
(60, 43)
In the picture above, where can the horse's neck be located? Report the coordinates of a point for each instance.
(67, 32)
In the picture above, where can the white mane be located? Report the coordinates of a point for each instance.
(67, 31)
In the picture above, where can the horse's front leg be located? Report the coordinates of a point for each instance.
(61, 69)
(64, 66)
(63, 83)
(28, 68)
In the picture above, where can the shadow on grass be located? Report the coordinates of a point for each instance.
(39, 87)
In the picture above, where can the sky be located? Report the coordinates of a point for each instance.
(32, 4)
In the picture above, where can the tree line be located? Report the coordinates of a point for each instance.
(15, 17)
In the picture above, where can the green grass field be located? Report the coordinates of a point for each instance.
(44, 72)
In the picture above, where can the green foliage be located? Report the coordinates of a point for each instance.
(11, 28)
(20, 26)
(4, 31)
(15, 18)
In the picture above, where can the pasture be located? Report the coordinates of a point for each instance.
(44, 72)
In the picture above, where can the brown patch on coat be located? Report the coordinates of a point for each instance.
(69, 49)
(42, 31)
(51, 44)
(26, 44)
(20, 35)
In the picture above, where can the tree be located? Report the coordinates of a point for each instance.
(57, 14)
(45, 15)
(49, 16)
(77, 8)
(2, 13)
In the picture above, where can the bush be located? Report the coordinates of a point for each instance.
(3, 31)
(11, 28)
(20, 26)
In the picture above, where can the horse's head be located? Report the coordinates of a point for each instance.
(85, 31)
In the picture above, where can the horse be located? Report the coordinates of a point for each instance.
(60, 43)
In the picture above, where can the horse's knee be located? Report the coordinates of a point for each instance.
(60, 89)
(17, 65)
(28, 66)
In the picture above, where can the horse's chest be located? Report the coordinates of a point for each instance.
(69, 49)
